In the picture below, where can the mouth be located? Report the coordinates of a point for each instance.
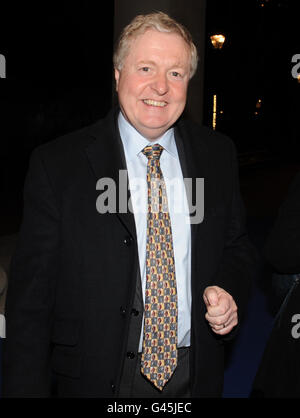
(154, 103)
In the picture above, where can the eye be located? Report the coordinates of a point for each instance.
(175, 74)
(145, 69)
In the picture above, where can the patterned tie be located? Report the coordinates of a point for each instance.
(159, 356)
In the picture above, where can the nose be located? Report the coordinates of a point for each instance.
(160, 84)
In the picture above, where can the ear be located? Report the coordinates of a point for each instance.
(117, 77)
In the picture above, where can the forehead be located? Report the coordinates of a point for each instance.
(154, 44)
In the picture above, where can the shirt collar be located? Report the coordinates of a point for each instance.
(134, 142)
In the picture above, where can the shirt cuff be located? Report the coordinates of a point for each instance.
(2, 326)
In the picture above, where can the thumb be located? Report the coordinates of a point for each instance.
(211, 296)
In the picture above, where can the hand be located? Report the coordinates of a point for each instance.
(221, 310)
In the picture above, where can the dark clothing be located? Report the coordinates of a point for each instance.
(73, 280)
(177, 387)
(282, 249)
(278, 374)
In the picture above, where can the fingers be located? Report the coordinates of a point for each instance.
(226, 326)
(221, 307)
(211, 296)
(221, 310)
(218, 302)
(219, 320)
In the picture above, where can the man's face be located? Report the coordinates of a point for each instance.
(152, 84)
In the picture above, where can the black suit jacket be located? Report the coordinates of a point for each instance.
(282, 248)
(279, 370)
(74, 273)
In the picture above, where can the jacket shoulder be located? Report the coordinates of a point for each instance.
(69, 144)
(205, 135)
(217, 146)
(64, 159)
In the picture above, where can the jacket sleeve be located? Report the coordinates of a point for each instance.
(282, 248)
(240, 258)
(31, 289)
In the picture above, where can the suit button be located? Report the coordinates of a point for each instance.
(128, 241)
(113, 388)
(134, 312)
(122, 311)
(130, 355)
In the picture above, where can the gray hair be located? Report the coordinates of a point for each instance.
(159, 21)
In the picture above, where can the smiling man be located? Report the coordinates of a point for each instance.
(152, 85)
(136, 303)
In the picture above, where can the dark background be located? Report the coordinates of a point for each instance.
(60, 78)
(255, 63)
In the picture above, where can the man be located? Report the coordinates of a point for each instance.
(133, 301)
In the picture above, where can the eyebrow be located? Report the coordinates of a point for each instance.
(146, 62)
(176, 65)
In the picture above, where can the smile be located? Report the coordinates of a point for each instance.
(154, 103)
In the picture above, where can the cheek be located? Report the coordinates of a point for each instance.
(184, 93)
(179, 104)
(132, 86)
(180, 93)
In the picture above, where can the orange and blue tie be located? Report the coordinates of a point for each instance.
(159, 356)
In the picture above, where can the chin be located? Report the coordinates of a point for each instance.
(153, 133)
(159, 124)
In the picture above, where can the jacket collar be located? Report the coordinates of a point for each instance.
(107, 158)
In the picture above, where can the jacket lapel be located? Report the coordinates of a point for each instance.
(107, 160)
(193, 157)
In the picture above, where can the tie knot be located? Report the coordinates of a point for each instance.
(153, 152)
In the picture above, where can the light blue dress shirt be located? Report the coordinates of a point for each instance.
(133, 143)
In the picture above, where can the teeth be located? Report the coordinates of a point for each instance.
(154, 103)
